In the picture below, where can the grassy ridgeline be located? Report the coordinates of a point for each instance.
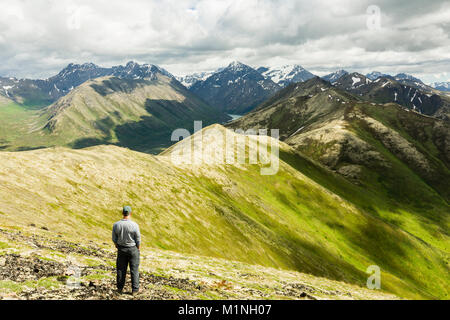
(287, 221)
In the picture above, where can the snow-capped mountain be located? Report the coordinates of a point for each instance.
(236, 89)
(352, 81)
(333, 77)
(75, 74)
(44, 92)
(287, 74)
(412, 81)
(190, 79)
(133, 70)
(388, 89)
(72, 76)
(443, 86)
(405, 76)
(374, 75)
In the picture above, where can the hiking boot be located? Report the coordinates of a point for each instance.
(119, 291)
(135, 292)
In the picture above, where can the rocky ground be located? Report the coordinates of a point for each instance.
(35, 264)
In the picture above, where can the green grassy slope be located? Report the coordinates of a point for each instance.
(399, 158)
(285, 221)
(391, 163)
(18, 122)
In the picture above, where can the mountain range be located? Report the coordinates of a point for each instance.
(43, 92)
(235, 89)
(92, 91)
(407, 92)
(443, 86)
(138, 106)
(40, 93)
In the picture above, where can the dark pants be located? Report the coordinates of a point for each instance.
(127, 256)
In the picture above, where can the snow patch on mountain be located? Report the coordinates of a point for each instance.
(191, 79)
(355, 80)
(286, 74)
(374, 75)
(405, 76)
(335, 76)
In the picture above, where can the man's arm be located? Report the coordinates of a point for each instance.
(137, 237)
(114, 235)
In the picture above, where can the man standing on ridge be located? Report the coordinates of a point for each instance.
(127, 238)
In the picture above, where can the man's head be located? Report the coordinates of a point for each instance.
(126, 211)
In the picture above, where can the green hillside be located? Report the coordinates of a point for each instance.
(389, 162)
(18, 122)
(292, 220)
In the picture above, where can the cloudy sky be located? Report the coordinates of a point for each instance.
(40, 37)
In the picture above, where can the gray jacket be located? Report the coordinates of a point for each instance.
(126, 233)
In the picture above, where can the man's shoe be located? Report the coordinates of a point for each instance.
(135, 293)
(119, 291)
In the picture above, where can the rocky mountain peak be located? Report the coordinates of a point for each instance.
(374, 75)
(334, 76)
(405, 76)
(286, 74)
(237, 66)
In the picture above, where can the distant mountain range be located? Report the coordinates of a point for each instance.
(43, 92)
(404, 90)
(400, 77)
(443, 86)
(135, 106)
(236, 89)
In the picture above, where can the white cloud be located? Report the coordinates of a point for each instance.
(39, 37)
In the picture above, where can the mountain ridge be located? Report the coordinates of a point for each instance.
(41, 93)
(411, 94)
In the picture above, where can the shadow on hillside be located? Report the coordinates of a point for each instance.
(152, 133)
(31, 148)
(113, 85)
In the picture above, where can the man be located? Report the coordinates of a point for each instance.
(127, 238)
